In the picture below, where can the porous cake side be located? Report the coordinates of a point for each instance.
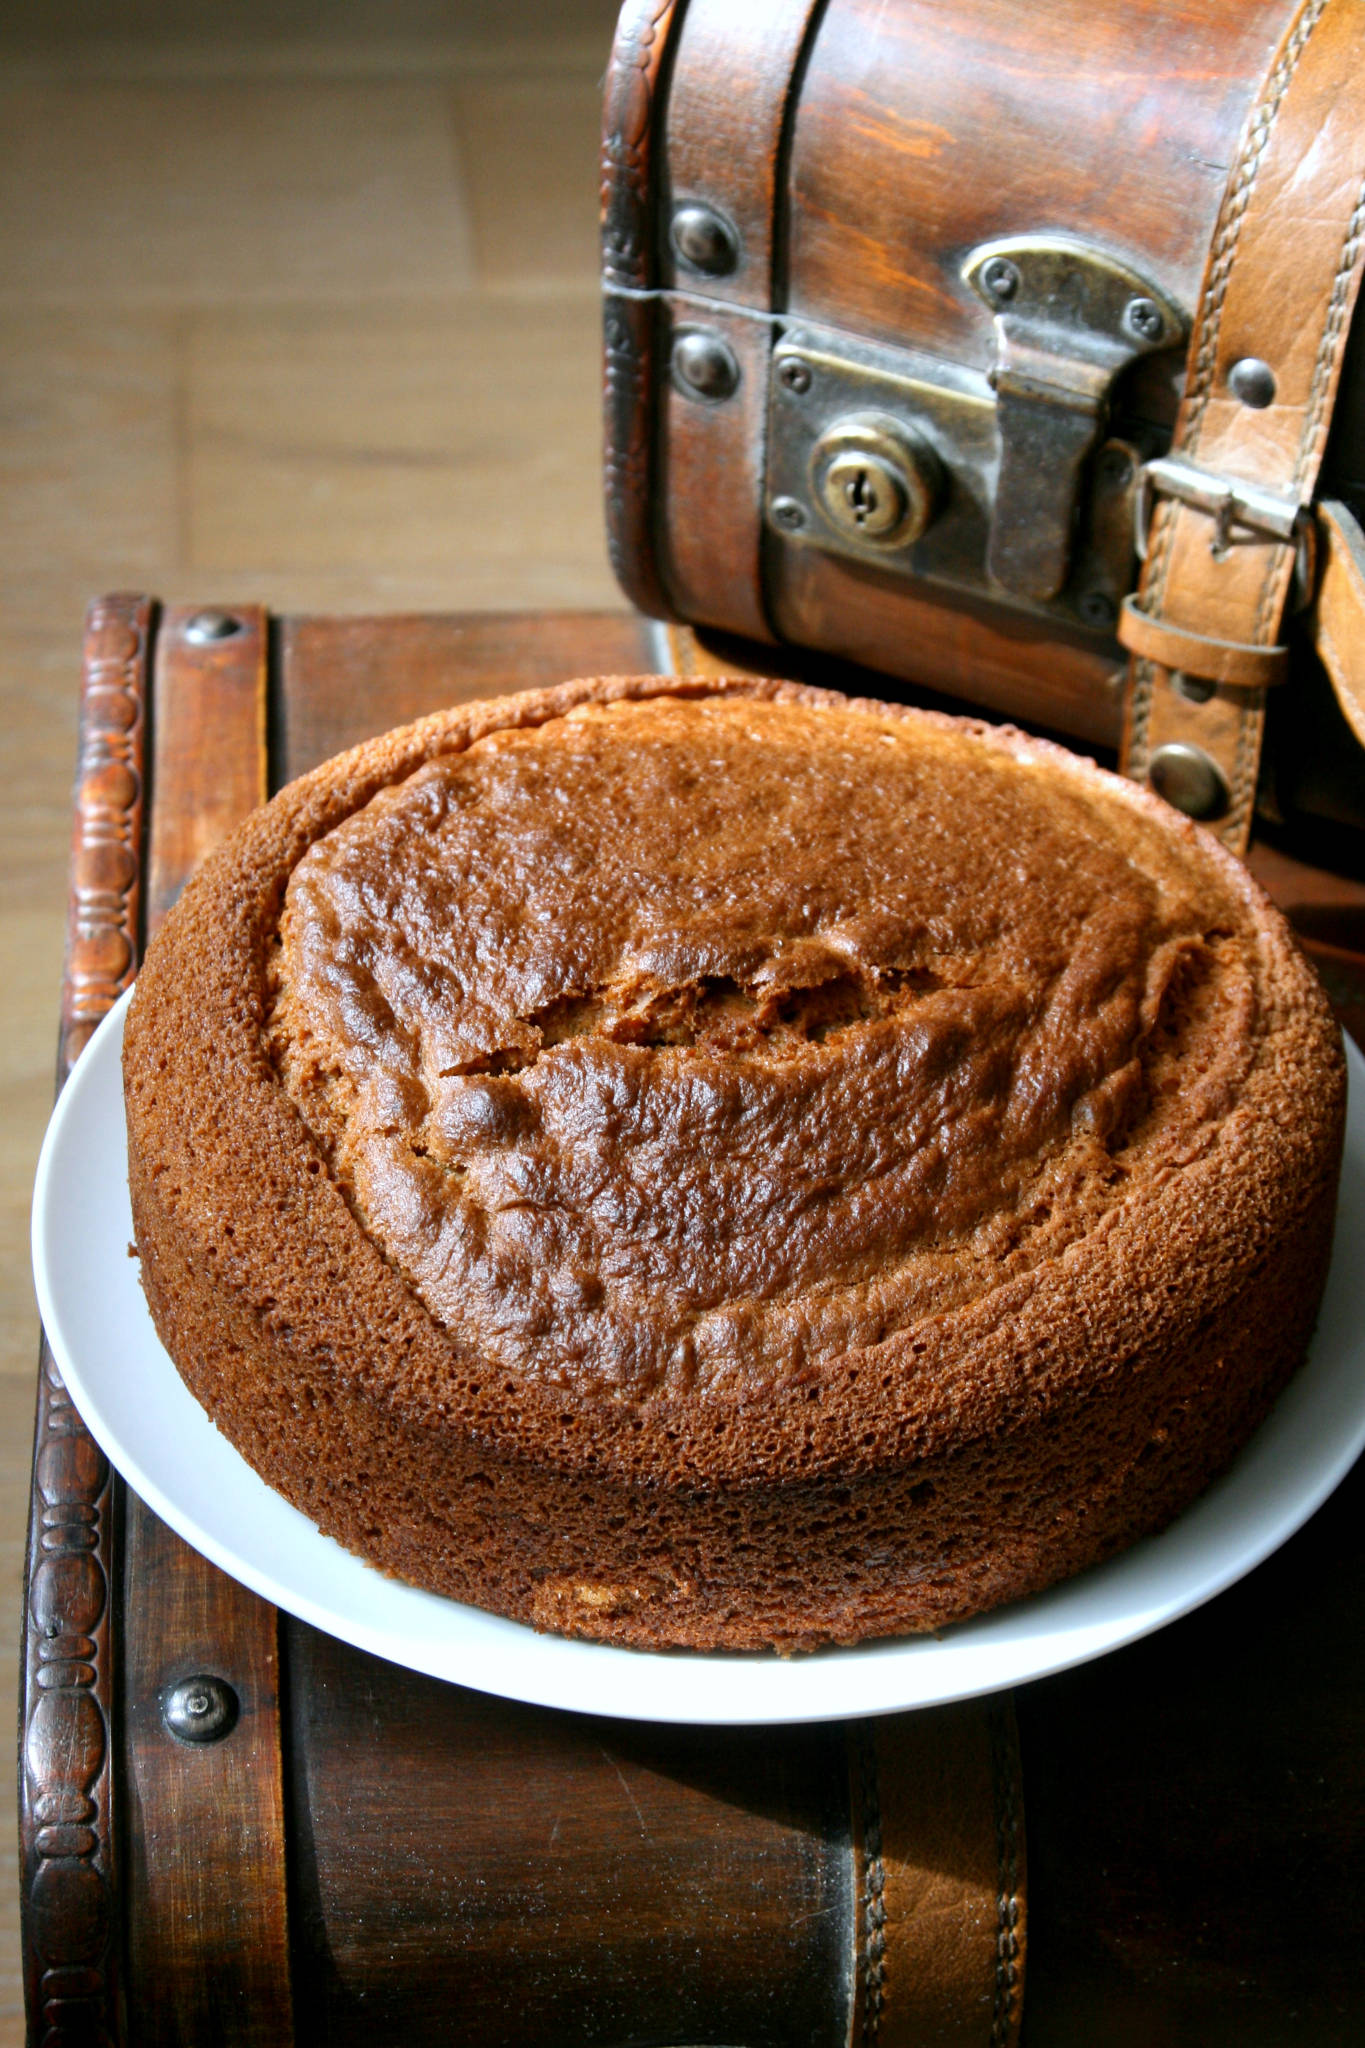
(720, 1165)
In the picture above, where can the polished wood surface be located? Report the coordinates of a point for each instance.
(1196, 1812)
(993, 120)
(203, 1910)
(351, 677)
(476, 1872)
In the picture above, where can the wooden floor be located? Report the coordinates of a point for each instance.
(309, 317)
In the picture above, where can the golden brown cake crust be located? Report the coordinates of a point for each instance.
(719, 1164)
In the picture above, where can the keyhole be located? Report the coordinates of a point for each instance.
(865, 496)
(862, 498)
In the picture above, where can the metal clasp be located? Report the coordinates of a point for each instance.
(1069, 319)
(1231, 503)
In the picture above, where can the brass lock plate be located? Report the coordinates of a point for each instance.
(925, 446)
(893, 459)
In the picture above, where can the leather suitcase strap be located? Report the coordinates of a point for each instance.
(1231, 535)
(1339, 613)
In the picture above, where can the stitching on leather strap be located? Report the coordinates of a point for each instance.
(1334, 272)
(1230, 218)
(1324, 367)
(1008, 1862)
(874, 1883)
(1316, 418)
(1205, 353)
(1234, 209)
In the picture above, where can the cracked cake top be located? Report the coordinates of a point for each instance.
(665, 1045)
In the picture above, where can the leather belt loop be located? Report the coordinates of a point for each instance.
(1230, 663)
(1265, 357)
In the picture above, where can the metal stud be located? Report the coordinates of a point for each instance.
(200, 1709)
(789, 514)
(1186, 777)
(1253, 382)
(206, 627)
(1143, 318)
(1097, 608)
(705, 239)
(1000, 280)
(794, 375)
(1116, 469)
(704, 365)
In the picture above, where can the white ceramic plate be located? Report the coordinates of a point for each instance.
(156, 1434)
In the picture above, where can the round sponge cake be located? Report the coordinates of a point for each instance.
(726, 1165)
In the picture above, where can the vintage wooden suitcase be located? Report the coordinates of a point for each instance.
(925, 320)
(357, 1853)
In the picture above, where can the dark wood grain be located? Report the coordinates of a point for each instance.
(69, 1814)
(709, 518)
(731, 98)
(1007, 663)
(477, 1872)
(1196, 1815)
(344, 679)
(1327, 911)
(206, 1930)
(927, 128)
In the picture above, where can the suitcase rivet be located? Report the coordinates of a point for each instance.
(1253, 382)
(1186, 777)
(1143, 318)
(794, 374)
(703, 238)
(790, 513)
(1000, 280)
(200, 1709)
(206, 627)
(1116, 468)
(1097, 608)
(705, 364)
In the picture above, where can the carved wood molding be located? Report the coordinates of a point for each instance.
(628, 129)
(106, 837)
(67, 1784)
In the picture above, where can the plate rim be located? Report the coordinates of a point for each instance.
(554, 1671)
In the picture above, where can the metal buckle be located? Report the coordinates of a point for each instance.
(1231, 502)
